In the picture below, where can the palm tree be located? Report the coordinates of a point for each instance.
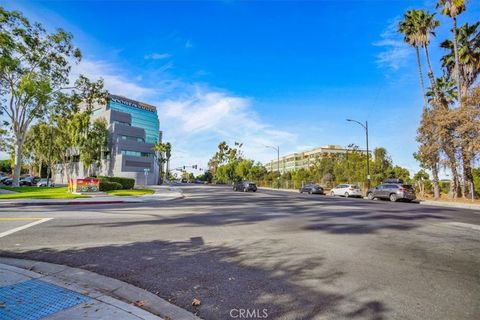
(168, 155)
(408, 29)
(446, 90)
(453, 8)
(468, 42)
(160, 148)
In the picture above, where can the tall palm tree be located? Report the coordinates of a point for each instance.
(418, 26)
(408, 28)
(168, 155)
(160, 148)
(468, 41)
(453, 8)
(446, 89)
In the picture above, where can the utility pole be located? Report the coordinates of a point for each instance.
(365, 126)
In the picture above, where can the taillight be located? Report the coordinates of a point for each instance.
(351, 189)
(402, 190)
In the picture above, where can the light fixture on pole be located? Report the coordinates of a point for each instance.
(278, 161)
(365, 126)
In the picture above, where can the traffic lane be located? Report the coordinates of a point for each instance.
(233, 249)
(468, 215)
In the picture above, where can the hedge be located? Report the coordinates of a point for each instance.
(126, 183)
(109, 185)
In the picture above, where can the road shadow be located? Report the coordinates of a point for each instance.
(223, 278)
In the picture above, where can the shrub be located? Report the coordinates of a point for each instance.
(126, 183)
(109, 185)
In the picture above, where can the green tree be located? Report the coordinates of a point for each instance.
(94, 144)
(414, 37)
(35, 67)
(452, 8)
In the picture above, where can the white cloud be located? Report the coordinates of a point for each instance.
(194, 118)
(157, 56)
(199, 121)
(116, 81)
(396, 52)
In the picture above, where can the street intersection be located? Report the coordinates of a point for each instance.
(295, 256)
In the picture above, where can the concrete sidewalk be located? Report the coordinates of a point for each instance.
(162, 193)
(33, 290)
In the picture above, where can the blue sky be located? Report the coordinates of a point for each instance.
(281, 73)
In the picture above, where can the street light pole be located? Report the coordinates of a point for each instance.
(278, 161)
(365, 126)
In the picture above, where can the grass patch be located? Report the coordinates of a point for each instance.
(39, 193)
(130, 192)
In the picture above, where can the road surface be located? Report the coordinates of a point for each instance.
(277, 254)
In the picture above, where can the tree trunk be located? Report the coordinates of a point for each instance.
(17, 166)
(422, 84)
(468, 187)
(40, 169)
(457, 61)
(436, 187)
(430, 73)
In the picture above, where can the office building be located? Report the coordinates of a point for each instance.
(133, 130)
(304, 159)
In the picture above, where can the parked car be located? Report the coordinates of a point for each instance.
(3, 178)
(43, 183)
(8, 181)
(346, 190)
(244, 186)
(393, 191)
(312, 189)
(29, 181)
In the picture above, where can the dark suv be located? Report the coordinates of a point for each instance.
(244, 186)
(392, 189)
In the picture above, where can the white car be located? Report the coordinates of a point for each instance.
(43, 183)
(346, 190)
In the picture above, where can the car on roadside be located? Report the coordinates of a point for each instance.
(43, 183)
(8, 181)
(3, 178)
(244, 186)
(346, 190)
(28, 181)
(394, 191)
(312, 188)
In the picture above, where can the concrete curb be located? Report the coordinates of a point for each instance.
(96, 286)
(451, 205)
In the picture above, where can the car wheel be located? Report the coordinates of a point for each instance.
(332, 194)
(370, 196)
(310, 192)
(245, 190)
(346, 195)
(393, 197)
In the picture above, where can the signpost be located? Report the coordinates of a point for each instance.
(146, 171)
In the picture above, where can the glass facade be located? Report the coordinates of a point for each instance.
(141, 118)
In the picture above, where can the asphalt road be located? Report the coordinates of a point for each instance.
(297, 256)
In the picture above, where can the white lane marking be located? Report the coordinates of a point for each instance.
(9, 232)
(464, 225)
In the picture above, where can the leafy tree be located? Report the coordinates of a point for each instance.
(35, 67)
(94, 144)
(413, 36)
(453, 8)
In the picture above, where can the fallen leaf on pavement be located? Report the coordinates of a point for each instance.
(140, 303)
(195, 302)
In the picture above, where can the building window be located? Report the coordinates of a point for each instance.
(130, 138)
(121, 122)
(137, 153)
